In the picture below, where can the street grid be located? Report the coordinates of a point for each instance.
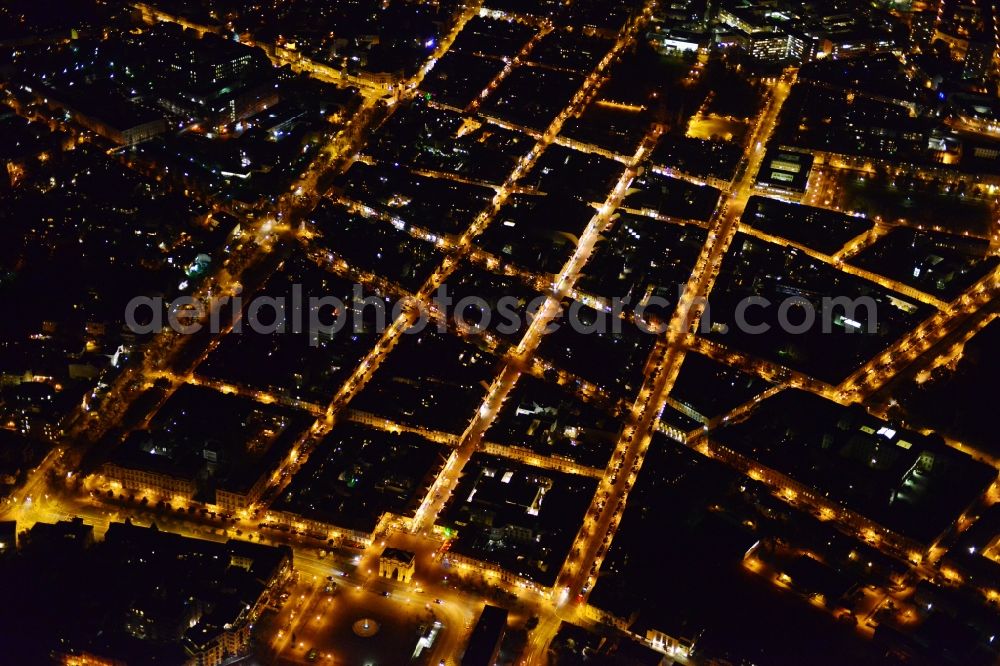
(289, 230)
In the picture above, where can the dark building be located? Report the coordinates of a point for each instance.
(978, 58)
(922, 27)
(484, 644)
(66, 535)
(785, 171)
(8, 537)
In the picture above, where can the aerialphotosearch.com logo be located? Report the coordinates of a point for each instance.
(322, 317)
